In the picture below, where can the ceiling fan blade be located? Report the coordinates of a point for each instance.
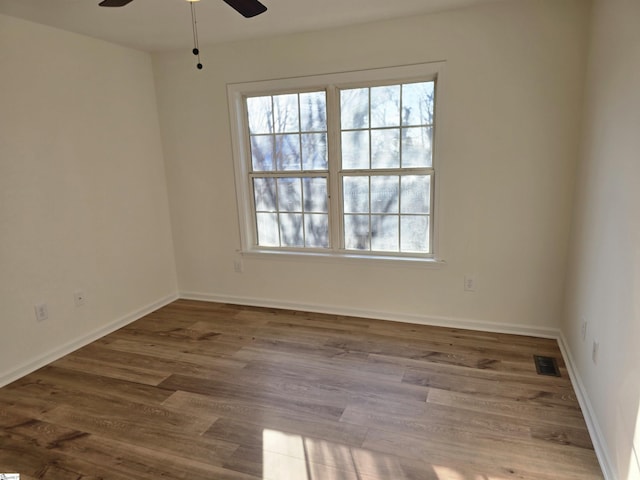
(247, 8)
(114, 3)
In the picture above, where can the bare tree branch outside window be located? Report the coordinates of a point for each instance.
(387, 129)
(385, 175)
(288, 138)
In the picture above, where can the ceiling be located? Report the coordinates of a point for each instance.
(158, 25)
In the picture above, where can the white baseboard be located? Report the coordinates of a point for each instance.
(599, 443)
(77, 343)
(437, 321)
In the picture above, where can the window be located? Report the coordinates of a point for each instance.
(289, 169)
(386, 167)
(338, 164)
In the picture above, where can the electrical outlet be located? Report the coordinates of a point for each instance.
(79, 298)
(237, 265)
(594, 351)
(470, 283)
(583, 330)
(42, 311)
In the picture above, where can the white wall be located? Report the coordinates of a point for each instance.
(604, 270)
(510, 139)
(83, 201)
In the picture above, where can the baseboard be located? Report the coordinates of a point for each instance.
(437, 321)
(599, 443)
(77, 343)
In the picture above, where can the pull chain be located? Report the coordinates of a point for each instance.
(194, 26)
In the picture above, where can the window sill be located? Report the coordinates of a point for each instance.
(343, 258)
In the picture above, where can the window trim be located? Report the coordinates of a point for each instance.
(332, 82)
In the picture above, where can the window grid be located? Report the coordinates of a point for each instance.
(304, 212)
(401, 171)
(371, 213)
(333, 173)
(277, 127)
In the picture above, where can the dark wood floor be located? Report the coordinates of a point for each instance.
(210, 391)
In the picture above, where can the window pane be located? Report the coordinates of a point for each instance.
(313, 112)
(259, 110)
(385, 106)
(267, 224)
(288, 152)
(354, 108)
(356, 194)
(314, 151)
(384, 194)
(416, 193)
(416, 146)
(285, 113)
(291, 230)
(315, 194)
(414, 233)
(356, 232)
(289, 195)
(264, 191)
(417, 103)
(316, 230)
(262, 153)
(385, 148)
(384, 233)
(355, 150)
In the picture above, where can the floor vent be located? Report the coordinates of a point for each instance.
(546, 366)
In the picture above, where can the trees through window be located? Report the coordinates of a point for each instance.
(338, 169)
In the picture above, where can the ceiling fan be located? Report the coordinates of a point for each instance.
(246, 8)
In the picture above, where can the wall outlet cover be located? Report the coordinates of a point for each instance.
(42, 311)
(470, 282)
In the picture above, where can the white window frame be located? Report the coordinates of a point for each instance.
(331, 83)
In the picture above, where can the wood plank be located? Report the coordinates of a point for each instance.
(214, 358)
(434, 420)
(251, 434)
(355, 361)
(327, 407)
(160, 436)
(267, 416)
(49, 382)
(530, 412)
(488, 458)
(546, 395)
(27, 456)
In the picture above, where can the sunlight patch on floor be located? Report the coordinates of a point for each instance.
(283, 456)
(448, 473)
(289, 456)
